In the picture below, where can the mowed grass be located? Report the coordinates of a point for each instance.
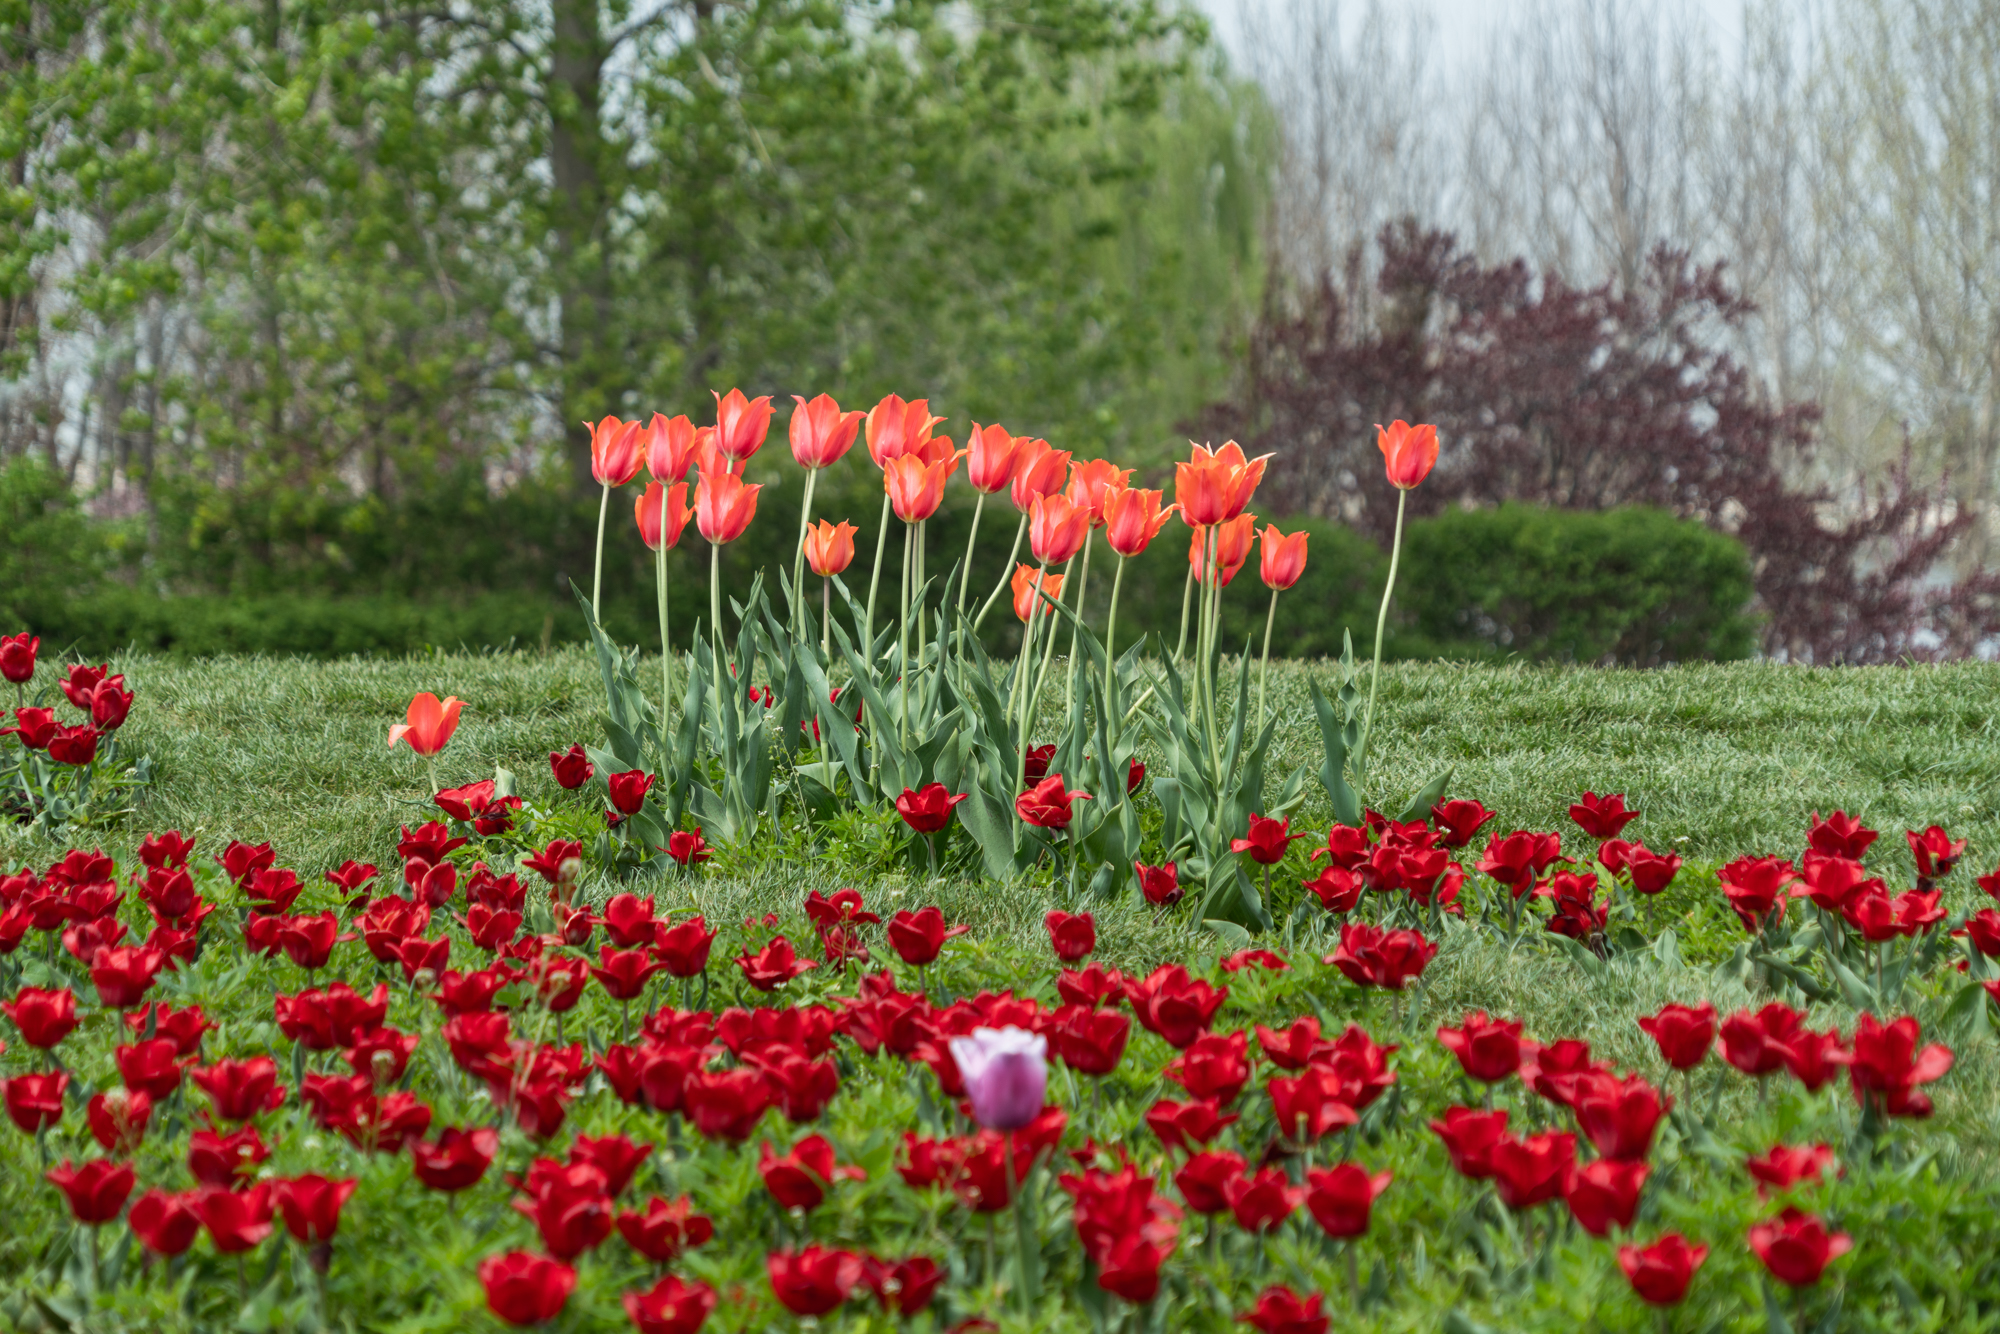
(1722, 761)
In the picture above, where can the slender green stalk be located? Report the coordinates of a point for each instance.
(1187, 600)
(597, 568)
(1082, 582)
(1017, 704)
(1211, 616)
(1381, 625)
(826, 619)
(922, 527)
(800, 616)
(1006, 574)
(965, 573)
(715, 609)
(903, 641)
(874, 580)
(666, 645)
(1111, 650)
(1041, 673)
(1264, 672)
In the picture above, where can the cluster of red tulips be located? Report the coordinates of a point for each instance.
(98, 693)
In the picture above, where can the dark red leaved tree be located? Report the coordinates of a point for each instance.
(1587, 398)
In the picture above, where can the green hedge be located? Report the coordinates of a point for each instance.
(1635, 586)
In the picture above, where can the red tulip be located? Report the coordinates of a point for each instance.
(1131, 1269)
(741, 424)
(1088, 1041)
(236, 1221)
(1057, 528)
(216, 1159)
(664, 1230)
(17, 657)
(124, 974)
(724, 505)
(1370, 956)
(661, 513)
(1213, 1065)
(918, 937)
(1935, 852)
(1488, 1050)
(896, 428)
(1281, 559)
(1684, 1033)
(1047, 805)
(1204, 1180)
(96, 1191)
(1038, 471)
(1133, 518)
(617, 451)
(1796, 1247)
(915, 484)
(1755, 1043)
(683, 947)
(45, 1017)
(799, 1179)
(1340, 1198)
(1262, 1201)
(1216, 485)
(1408, 452)
(929, 809)
(1267, 840)
(1470, 1137)
(428, 725)
(35, 1101)
(1886, 1062)
(1092, 484)
(1784, 1166)
(118, 1119)
(673, 1305)
(1602, 817)
(773, 966)
(991, 456)
(311, 1204)
(628, 790)
(1074, 935)
(821, 434)
(309, 941)
(685, 848)
(457, 1160)
(1756, 887)
(241, 1089)
(906, 1287)
(73, 745)
(1160, 885)
(1605, 1193)
(1187, 1125)
(616, 1156)
(830, 547)
(1619, 1116)
(572, 768)
(624, 973)
(1231, 547)
(1279, 1310)
(726, 1104)
(1175, 1006)
(525, 1289)
(669, 446)
(1650, 872)
(165, 1224)
(418, 955)
(1660, 1273)
(813, 1281)
(1527, 1172)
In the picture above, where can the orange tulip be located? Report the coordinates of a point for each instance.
(1281, 559)
(896, 428)
(1216, 485)
(617, 451)
(1025, 599)
(1232, 548)
(1132, 519)
(707, 458)
(1408, 452)
(1089, 481)
(662, 507)
(670, 448)
(724, 506)
(428, 724)
(821, 433)
(915, 486)
(1038, 471)
(990, 457)
(830, 547)
(741, 424)
(1057, 528)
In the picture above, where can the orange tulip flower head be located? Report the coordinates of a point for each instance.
(617, 451)
(830, 547)
(1025, 599)
(1408, 452)
(1215, 485)
(1281, 559)
(1039, 471)
(1232, 548)
(1132, 519)
(990, 455)
(428, 724)
(1089, 481)
(662, 513)
(896, 428)
(669, 448)
(724, 506)
(741, 424)
(821, 433)
(916, 486)
(1057, 528)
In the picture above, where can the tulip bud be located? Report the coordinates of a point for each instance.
(1006, 1075)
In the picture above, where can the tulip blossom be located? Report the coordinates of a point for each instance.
(918, 937)
(1370, 956)
(124, 974)
(724, 506)
(1605, 1194)
(44, 1017)
(830, 547)
(35, 727)
(741, 424)
(1214, 1067)
(456, 1160)
(1092, 483)
(1057, 528)
(617, 451)
(1786, 1166)
(310, 1206)
(799, 1179)
(1216, 485)
(673, 1305)
(525, 1289)
(1006, 1075)
(17, 657)
(628, 790)
(1279, 1310)
(1488, 1050)
(1090, 1042)
(96, 1191)
(1660, 1273)
(428, 725)
(1159, 885)
(1224, 547)
(571, 768)
(1047, 805)
(929, 809)
(1796, 1247)
(118, 1119)
(990, 457)
(240, 1090)
(1755, 1042)
(662, 514)
(1074, 935)
(1266, 840)
(1887, 1064)
(1684, 1033)
(1039, 471)
(35, 1102)
(1528, 1172)
(1032, 589)
(165, 1224)
(689, 849)
(670, 447)
(1175, 1006)
(236, 1221)
(1133, 518)
(1340, 1198)
(1408, 452)
(773, 966)
(821, 434)
(896, 428)
(1281, 558)
(664, 1230)
(814, 1281)
(915, 486)
(73, 745)
(1618, 1116)
(1470, 1136)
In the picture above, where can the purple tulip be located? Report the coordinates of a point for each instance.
(1006, 1074)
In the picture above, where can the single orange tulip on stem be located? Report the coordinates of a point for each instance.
(740, 425)
(617, 453)
(895, 427)
(990, 455)
(1029, 587)
(1038, 471)
(724, 505)
(427, 726)
(1281, 560)
(821, 435)
(1057, 529)
(1408, 454)
(671, 447)
(1132, 519)
(830, 549)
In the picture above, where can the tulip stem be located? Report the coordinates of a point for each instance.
(1041, 674)
(1076, 628)
(1110, 652)
(826, 618)
(1006, 574)
(874, 581)
(903, 641)
(715, 614)
(1024, 661)
(965, 574)
(1264, 672)
(1187, 600)
(1381, 624)
(666, 645)
(597, 568)
(800, 617)
(1211, 616)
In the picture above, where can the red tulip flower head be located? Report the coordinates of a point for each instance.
(525, 1289)
(1340, 1198)
(1161, 885)
(928, 809)
(1528, 1172)
(1796, 1247)
(1133, 518)
(236, 1221)
(165, 1224)
(1216, 485)
(17, 657)
(1057, 528)
(35, 1102)
(1038, 471)
(456, 1160)
(311, 1204)
(1602, 817)
(617, 451)
(918, 937)
(1281, 559)
(1073, 935)
(124, 973)
(45, 1017)
(1488, 1050)
(683, 947)
(1605, 1194)
(990, 456)
(821, 434)
(572, 768)
(773, 966)
(96, 1191)
(740, 424)
(1887, 1063)
(428, 725)
(673, 1305)
(1685, 1033)
(1230, 548)
(814, 1281)
(662, 513)
(1786, 1166)
(896, 428)
(671, 447)
(629, 789)
(118, 1118)
(914, 484)
(1030, 594)
(1279, 1310)
(1408, 452)
(1266, 840)
(799, 1179)
(724, 505)
(1660, 1273)
(1092, 483)
(1046, 805)
(664, 1230)
(830, 547)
